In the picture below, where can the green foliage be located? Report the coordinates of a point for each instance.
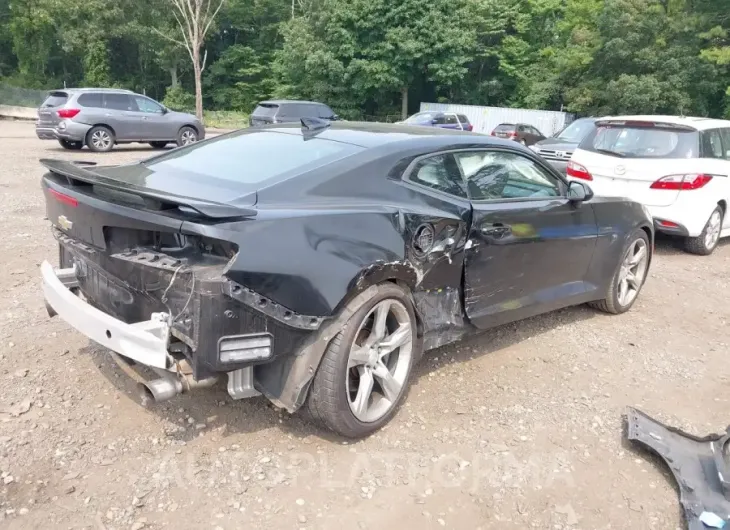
(176, 98)
(362, 56)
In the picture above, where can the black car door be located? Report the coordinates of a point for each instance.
(529, 247)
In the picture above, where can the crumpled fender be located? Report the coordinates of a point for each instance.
(286, 382)
(699, 465)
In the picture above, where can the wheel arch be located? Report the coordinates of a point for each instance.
(114, 133)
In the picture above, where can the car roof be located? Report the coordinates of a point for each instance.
(698, 123)
(290, 101)
(106, 90)
(368, 134)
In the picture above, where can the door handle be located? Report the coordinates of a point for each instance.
(496, 229)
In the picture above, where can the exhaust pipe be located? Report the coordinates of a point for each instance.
(160, 389)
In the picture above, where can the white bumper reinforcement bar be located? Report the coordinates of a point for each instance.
(145, 342)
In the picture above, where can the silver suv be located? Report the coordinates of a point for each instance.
(100, 118)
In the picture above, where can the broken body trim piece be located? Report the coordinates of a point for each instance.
(698, 465)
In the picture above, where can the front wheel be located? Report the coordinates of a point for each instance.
(73, 146)
(366, 368)
(629, 277)
(186, 136)
(705, 243)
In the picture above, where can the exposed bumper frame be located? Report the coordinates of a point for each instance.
(145, 342)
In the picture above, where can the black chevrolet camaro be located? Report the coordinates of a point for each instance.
(314, 263)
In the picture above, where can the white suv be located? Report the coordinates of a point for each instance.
(679, 168)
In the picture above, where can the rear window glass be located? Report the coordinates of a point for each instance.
(90, 100)
(505, 127)
(423, 117)
(630, 141)
(576, 131)
(55, 99)
(463, 118)
(266, 110)
(253, 157)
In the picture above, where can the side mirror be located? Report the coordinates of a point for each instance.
(579, 192)
(434, 122)
(165, 110)
(335, 117)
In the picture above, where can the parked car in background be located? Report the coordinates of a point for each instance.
(678, 167)
(558, 149)
(442, 120)
(100, 118)
(389, 241)
(289, 111)
(519, 132)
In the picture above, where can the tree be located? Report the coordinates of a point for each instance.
(194, 18)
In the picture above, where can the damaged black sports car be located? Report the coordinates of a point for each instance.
(315, 263)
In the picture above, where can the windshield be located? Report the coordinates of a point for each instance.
(576, 131)
(422, 117)
(252, 157)
(643, 142)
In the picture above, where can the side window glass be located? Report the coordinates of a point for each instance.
(117, 102)
(450, 119)
(463, 119)
(521, 128)
(712, 144)
(439, 173)
(439, 120)
(492, 175)
(725, 133)
(90, 100)
(147, 105)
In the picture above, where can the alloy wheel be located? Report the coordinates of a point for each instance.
(632, 272)
(188, 137)
(379, 360)
(712, 232)
(101, 139)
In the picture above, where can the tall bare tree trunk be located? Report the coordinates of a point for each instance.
(198, 71)
(404, 103)
(173, 76)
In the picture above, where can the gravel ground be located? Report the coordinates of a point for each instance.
(519, 427)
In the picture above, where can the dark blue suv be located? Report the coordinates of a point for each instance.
(444, 120)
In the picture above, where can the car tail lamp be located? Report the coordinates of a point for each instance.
(667, 224)
(692, 181)
(578, 171)
(512, 135)
(65, 199)
(68, 113)
(470, 127)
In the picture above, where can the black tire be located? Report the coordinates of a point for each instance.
(328, 402)
(611, 303)
(100, 139)
(159, 145)
(698, 245)
(71, 145)
(186, 135)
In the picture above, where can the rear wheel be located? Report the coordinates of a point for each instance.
(365, 371)
(68, 144)
(100, 139)
(186, 136)
(629, 277)
(705, 243)
(159, 145)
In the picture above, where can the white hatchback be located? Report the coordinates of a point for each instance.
(679, 168)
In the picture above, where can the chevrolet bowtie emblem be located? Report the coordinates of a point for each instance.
(64, 223)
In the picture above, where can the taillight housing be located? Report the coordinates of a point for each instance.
(691, 181)
(63, 198)
(512, 135)
(578, 171)
(470, 127)
(68, 113)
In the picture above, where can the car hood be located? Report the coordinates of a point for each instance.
(557, 144)
(183, 116)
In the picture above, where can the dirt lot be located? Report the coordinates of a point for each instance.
(520, 427)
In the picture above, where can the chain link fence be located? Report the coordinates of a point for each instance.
(21, 97)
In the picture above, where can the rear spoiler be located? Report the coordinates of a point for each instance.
(643, 123)
(153, 199)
